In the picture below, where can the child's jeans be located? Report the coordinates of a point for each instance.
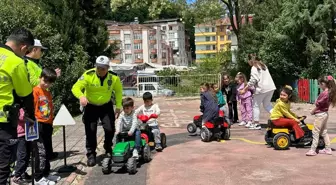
(23, 156)
(156, 133)
(137, 135)
(320, 129)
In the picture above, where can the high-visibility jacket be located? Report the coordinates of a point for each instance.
(96, 92)
(13, 77)
(34, 72)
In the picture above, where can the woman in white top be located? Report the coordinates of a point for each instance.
(262, 80)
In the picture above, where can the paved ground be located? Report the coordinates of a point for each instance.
(242, 160)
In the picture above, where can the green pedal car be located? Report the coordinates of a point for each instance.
(122, 154)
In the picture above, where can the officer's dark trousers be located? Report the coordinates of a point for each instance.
(90, 118)
(8, 137)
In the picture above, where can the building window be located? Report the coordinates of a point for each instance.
(127, 36)
(222, 38)
(213, 47)
(171, 35)
(137, 36)
(128, 56)
(229, 37)
(151, 37)
(170, 28)
(207, 30)
(164, 28)
(138, 56)
(172, 43)
(222, 46)
(213, 38)
(128, 46)
(138, 46)
(222, 29)
(213, 29)
(207, 38)
(208, 47)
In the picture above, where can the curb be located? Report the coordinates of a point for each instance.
(77, 179)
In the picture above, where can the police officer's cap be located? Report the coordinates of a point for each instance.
(103, 61)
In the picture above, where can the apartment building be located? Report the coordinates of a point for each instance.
(175, 37)
(211, 38)
(138, 43)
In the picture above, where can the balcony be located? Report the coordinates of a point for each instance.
(139, 61)
(152, 41)
(205, 34)
(206, 43)
(154, 60)
(205, 51)
(137, 41)
(137, 50)
(153, 50)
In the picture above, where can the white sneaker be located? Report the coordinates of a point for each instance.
(248, 125)
(44, 181)
(255, 127)
(135, 153)
(242, 123)
(54, 178)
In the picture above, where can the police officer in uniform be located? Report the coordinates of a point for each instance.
(98, 84)
(14, 83)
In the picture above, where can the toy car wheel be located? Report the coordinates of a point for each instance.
(226, 134)
(281, 141)
(147, 155)
(106, 166)
(131, 165)
(205, 135)
(321, 143)
(163, 140)
(191, 127)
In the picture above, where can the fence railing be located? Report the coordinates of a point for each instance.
(307, 90)
(177, 85)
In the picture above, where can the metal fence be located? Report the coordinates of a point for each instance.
(178, 85)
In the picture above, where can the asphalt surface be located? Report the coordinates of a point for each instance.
(120, 176)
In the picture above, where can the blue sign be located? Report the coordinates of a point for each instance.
(32, 131)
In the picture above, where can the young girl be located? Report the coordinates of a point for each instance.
(245, 101)
(209, 106)
(282, 115)
(327, 97)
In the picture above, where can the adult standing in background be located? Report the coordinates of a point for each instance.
(229, 88)
(34, 70)
(14, 83)
(262, 80)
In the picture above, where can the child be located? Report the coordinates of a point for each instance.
(23, 153)
(327, 97)
(208, 102)
(245, 101)
(281, 114)
(148, 109)
(230, 90)
(128, 122)
(221, 101)
(44, 115)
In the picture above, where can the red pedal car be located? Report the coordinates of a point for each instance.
(217, 129)
(146, 132)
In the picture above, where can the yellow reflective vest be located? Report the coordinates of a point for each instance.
(13, 76)
(95, 92)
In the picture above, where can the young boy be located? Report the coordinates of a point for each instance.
(44, 115)
(128, 122)
(148, 109)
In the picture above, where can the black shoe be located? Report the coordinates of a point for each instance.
(91, 161)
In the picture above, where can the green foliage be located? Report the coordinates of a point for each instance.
(73, 30)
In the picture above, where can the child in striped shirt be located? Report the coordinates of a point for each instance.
(128, 122)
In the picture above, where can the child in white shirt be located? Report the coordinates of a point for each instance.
(128, 122)
(149, 109)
